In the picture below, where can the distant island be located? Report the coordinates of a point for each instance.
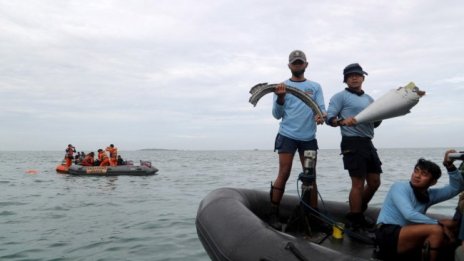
(156, 150)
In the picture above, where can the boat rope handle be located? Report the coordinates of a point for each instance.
(290, 246)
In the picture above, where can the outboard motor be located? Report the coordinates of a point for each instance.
(145, 163)
(129, 162)
(307, 178)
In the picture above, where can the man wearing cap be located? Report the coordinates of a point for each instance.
(297, 129)
(360, 156)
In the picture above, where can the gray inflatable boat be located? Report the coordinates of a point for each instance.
(232, 224)
(131, 170)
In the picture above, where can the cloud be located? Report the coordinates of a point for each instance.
(176, 74)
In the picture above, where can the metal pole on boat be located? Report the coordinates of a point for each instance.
(308, 176)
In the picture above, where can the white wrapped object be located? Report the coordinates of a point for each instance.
(392, 104)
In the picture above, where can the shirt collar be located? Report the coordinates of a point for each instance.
(355, 92)
(422, 197)
(297, 81)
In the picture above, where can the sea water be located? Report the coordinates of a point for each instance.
(49, 216)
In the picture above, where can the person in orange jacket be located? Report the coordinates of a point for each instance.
(113, 154)
(103, 158)
(69, 154)
(88, 160)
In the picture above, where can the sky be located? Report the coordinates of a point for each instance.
(176, 74)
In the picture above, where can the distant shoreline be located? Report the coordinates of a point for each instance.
(251, 149)
(156, 150)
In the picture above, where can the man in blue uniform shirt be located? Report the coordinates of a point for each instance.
(402, 223)
(297, 127)
(360, 156)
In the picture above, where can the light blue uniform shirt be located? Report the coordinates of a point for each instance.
(402, 208)
(297, 118)
(346, 104)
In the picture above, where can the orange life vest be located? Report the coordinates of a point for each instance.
(102, 156)
(88, 161)
(113, 152)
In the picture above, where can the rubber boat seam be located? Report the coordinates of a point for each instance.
(218, 253)
(248, 235)
(243, 201)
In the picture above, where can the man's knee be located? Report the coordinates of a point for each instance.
(436, 236)
(357, 183)
(459, 254)
(373, 180)
(374, 185)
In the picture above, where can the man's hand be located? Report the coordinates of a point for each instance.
(349, 122)
(280, 91)
(320, 120)
(447, 162)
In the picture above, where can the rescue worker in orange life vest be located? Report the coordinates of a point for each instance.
(88, 160)
(113, 154)
(69, 154)
(103, 158)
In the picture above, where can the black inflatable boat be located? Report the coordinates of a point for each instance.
(232, 225)
(112, 170)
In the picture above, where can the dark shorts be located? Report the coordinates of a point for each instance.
(360, 156)
(386, 237)
(285, 144)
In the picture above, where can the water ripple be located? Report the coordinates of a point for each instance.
(7, 213)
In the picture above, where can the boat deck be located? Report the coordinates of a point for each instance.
(352, 243)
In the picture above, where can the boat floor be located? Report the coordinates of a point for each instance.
(357, 243)
(233, 224)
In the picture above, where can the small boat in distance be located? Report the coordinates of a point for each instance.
(144, 169)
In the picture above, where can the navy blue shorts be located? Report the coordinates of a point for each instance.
(386, 237)
(285, 144)
(360, 156)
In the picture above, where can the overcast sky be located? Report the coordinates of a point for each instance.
(176, 74)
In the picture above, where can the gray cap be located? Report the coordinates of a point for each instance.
(296, 55)
(354, 68)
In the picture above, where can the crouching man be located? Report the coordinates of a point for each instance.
(402, 226)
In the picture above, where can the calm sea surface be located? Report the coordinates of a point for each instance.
(50, 216)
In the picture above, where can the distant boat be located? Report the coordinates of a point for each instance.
(145, 168)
